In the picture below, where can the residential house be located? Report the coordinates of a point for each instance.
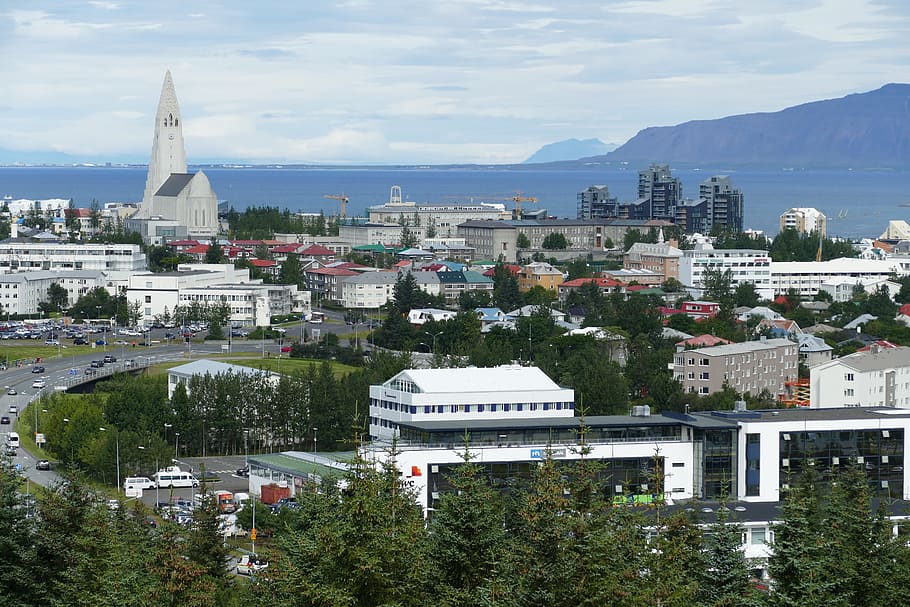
(879, 377)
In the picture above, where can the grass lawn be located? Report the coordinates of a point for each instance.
(15, 351)
(289, 365)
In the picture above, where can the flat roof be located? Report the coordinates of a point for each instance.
(806, 414)
(596, 421)
(744, 347)
(300, 463)
(479, 379)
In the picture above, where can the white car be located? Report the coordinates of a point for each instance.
(39, 383)
(250, 564)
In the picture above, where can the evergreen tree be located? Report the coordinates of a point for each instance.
(17, 556)
(467, 539)
(725, 579)
(214, 254)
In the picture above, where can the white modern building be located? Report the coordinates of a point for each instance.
(807, 277)
(250, 304)
(158, 292)
(498, 394)
(775, 446)
(369, 290)
(442, 217)
(879, 377)
(745, 265)
(19, 256)
(20, 293)
(805, 220)
(357, 235)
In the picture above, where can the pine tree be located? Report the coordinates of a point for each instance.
(16, 546)
(725, 579)
(468, 541)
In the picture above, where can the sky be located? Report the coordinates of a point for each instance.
(417, 81)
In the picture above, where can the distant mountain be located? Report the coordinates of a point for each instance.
(863, 130)
(570, 149)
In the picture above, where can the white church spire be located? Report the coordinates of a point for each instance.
(168, 153)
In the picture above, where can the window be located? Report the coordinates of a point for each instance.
(848, 376)
(758, 536)
(704, 375)
(148, 299)
(848, 392)
(704, 362)
(704, 390)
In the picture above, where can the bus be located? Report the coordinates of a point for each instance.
(173, 476)
(317, 317)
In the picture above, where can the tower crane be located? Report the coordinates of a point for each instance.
(518, 199)
(344, 202)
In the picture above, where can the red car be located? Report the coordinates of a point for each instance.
(285, 349)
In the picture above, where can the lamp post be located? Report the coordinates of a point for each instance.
(117, 439)
(177, 444)
(66, 420)
(434, 336)
(166, 426)
(314, 439)
(36, 421)
(157, 496)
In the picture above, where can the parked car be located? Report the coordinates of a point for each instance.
(51, 342)
(243, 472)
(250, 564)
(43, 464)
(80, 341)
(100, 342)
(37, 369)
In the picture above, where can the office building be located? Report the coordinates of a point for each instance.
(807, 277)
(745, 265)
(17, 255)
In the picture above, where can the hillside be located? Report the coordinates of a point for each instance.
(569, 149)
(863, 130)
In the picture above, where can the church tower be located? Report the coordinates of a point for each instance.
(168, 153)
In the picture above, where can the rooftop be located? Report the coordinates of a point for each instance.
(596, 421)
(478, 379)
(743, 348)
(205, 366)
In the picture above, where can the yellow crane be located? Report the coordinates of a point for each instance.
(518, 199)
(343, 199)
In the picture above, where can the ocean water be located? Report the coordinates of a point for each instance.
(857, 203)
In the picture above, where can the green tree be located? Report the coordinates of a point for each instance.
(291, 273)
(468, 541)
(717, 285)
(506, 295)
(745, 295)
(214, 253)
(522, 241)
(725, 580)
(555, 241)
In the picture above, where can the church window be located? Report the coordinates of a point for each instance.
(176, 122)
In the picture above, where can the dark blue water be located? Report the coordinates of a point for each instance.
(868, 198)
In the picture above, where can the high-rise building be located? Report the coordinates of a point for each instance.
(662, 191)
(724, 203)
(596, 203)
(176, 204)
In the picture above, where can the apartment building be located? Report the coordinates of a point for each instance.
(369, 290)
(250, 305)
(443, 218)
(745, 265)
(595, 202)
(19, 256)
(807, 277)
(158, 293)
(662, 258)
(752, 366)
(878, 377)
(805, 220)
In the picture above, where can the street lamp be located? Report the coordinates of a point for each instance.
(166, 426)
(117, 438)
(66, 420)
(157, 495)
(314, 439)
(434, 336)
(176, 444)
(36, 421)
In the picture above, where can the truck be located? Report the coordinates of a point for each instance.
(225, 500)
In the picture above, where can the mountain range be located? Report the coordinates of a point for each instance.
(570, 149)
(863, 131)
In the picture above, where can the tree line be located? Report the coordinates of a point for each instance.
(552, 539)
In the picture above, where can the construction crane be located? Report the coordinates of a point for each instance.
(344, 202)
(518, 199)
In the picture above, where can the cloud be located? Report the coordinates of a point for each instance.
(361, 80)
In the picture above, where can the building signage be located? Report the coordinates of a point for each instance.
(542, 453)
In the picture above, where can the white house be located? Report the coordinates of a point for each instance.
(879, 377)
(202, 367)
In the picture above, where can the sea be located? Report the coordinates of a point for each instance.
(858, 203)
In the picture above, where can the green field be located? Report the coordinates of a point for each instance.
(12, 351)
(288, 365)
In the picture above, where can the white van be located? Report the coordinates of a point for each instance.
(138, 482)
(173, 476)
(12, 439)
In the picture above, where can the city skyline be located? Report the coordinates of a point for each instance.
(474, 81)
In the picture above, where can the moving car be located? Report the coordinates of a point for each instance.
(14, 409)
(250, 564)
(43, 464)
(39, 383)
(37, 369)
(11, 392)
(4, 420)
(110, 359)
